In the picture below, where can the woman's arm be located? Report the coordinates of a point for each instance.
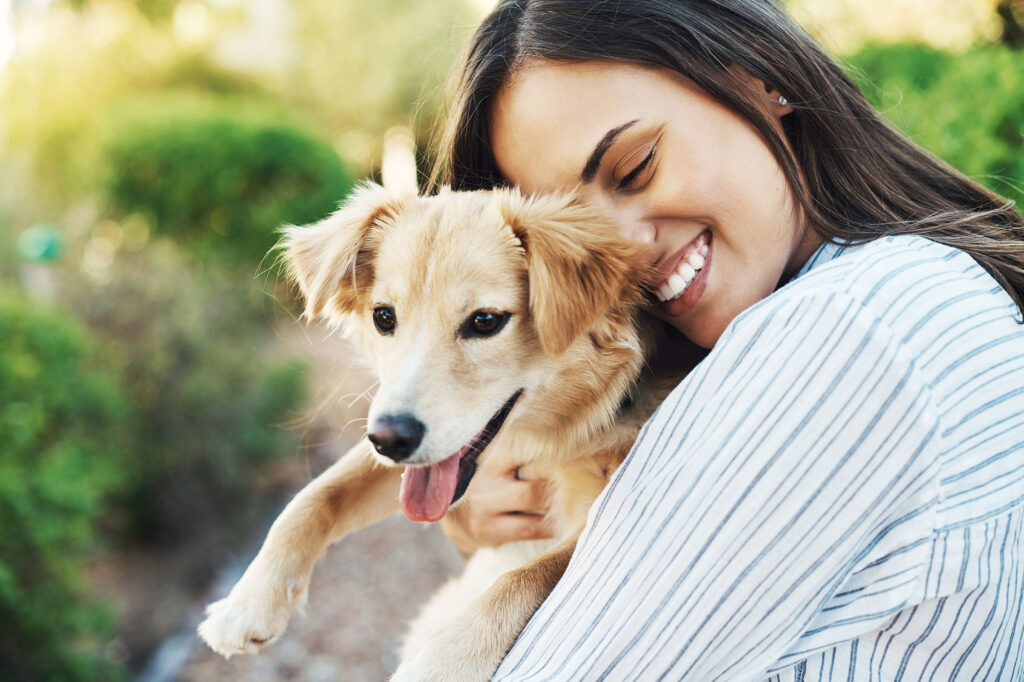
(756, 489)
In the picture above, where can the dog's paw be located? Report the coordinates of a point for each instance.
(244, 622)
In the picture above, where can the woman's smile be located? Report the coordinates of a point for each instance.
(684, 279)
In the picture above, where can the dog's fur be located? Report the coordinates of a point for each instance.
(572, 345)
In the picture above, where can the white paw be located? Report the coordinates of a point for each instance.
(247, 620)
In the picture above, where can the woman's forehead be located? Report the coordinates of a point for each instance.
(548, 119)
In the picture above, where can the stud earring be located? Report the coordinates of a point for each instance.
(783, 101)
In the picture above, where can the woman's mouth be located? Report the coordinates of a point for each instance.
(685, 283)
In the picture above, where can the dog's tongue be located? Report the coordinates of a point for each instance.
(427, 492)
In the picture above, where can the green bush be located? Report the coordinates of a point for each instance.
(194, 352)
(218, 174)
(62, 427)
(967, 109)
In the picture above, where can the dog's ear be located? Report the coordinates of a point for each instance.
(578, 266)
(331, 260)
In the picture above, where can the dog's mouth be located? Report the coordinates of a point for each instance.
(428, 491)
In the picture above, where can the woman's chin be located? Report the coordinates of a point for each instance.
(702, 330)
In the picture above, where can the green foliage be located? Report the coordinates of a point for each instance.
(62, 424)
(193, 351)
(894, 68)
(967, 109)
(218, 174)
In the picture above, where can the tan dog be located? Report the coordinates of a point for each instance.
(486, 314)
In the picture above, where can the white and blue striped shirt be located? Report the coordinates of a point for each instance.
(835, 493)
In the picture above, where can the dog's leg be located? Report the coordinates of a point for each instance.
(472, 646)
(353, 493)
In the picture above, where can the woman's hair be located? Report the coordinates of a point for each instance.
(855, 176)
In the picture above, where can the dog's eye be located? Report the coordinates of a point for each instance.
(384, 319)
(483, 323)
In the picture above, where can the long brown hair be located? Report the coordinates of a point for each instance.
(856, 177)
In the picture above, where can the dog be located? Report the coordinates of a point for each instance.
(489, 316)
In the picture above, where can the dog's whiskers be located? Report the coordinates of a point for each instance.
(352, 421)
(365, 394)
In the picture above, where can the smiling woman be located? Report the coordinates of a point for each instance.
(837, 490)
(668, 162)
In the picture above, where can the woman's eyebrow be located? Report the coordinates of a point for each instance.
(594, 162)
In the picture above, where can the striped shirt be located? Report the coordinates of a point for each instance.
(835, 493)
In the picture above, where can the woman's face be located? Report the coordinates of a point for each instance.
(672, 167)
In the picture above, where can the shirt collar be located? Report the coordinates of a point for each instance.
(826, 252)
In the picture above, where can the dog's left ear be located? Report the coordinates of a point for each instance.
(578, 265)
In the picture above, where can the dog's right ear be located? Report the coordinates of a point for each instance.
(332, 260)
(578, 265)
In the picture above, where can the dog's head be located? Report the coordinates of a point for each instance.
(465, 302)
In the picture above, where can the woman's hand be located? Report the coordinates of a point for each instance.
(499, 507)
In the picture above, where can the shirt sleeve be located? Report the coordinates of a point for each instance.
(802, 443)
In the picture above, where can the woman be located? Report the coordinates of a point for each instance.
(836, 491)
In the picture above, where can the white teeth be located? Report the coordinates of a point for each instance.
(685, 273)
(676, 283)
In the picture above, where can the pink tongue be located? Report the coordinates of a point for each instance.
(427, 491)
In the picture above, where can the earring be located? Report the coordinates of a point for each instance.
(783, 101)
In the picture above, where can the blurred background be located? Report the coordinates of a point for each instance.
(159, 402)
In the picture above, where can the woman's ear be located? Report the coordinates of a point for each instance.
(764, 94)
(331, 260)
(578, 267)
(777, 102)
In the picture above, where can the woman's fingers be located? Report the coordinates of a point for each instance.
(499, 507)
(513, 527)
(509, 495)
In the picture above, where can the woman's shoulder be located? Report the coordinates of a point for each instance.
(904, 280)
(891, 268)
(927, 312)
(932, 301)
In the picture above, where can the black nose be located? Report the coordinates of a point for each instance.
(397, 435)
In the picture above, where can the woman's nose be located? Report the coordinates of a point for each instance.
(634, 225)
(629, 217)
(638, 230)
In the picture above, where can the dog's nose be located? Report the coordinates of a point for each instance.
(397, 435)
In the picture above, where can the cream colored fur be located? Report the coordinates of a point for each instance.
(572, 344)
(482, 569)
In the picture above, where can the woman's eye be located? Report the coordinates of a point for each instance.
(483, 323)
(384, 319)
(639, 176)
